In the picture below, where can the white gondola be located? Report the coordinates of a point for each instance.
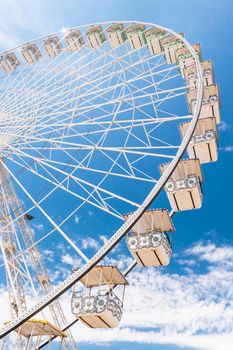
(184, 57)
(136, 36)
(183, 189)
(170, 44)
(97, 306)
(204, 142)
(147, 241)
(53, 46)
(190, 74)
(95, 37)
(153, 37)
(31, 53)
(210, 102)
(116, 35)
(74, 40)
(9, 62)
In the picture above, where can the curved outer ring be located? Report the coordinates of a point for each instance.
(122, 231)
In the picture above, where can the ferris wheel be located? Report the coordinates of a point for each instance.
(108, 124)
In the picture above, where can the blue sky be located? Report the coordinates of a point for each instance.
(189, 303)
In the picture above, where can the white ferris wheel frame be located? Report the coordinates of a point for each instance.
(122, 231)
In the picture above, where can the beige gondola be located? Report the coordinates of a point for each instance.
(204, 142)
(35, 328)
(116, 35)
(184, 58)
(33, 333)
(153, 37)
(31, 53)
(53, 46)
(9, 62)
(95, 37)
(183, 189)
(170, 44)
(147, 242)
(136, 36)
(74, 40)
(98, 306)
(190, 74)
(210, 102)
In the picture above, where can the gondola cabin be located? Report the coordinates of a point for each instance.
(136, 36)
(210, 102)
(37, 332)
(97, 305)
(9, 62)
(184, 58)
(153, 37)
(183, 189)
(190, 74)
(148, 241)
(170, 43)
(31, 53)
(116, 35)
(204, 142)
(53, 46)
(74, 40)
(95, 37)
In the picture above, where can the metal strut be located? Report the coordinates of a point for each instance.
(11, 208)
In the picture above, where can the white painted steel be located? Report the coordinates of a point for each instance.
(54, 294)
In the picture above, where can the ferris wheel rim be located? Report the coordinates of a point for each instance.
(66, 30)
(121, 232)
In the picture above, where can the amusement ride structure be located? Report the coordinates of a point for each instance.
(114, 119)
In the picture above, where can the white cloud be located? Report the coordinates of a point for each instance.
(70, 260)
(67, 259)
(193, 310)
(186, 262)
(203, 342)
(7, 40)
(76, 219)
(20, 19)
(103, 238)
(227, 148)
(172, 309)
(48, 254)
(211, 253)
(122, 261)
(90, 243)
(61, 247)
(223, 126)
(40, 227)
